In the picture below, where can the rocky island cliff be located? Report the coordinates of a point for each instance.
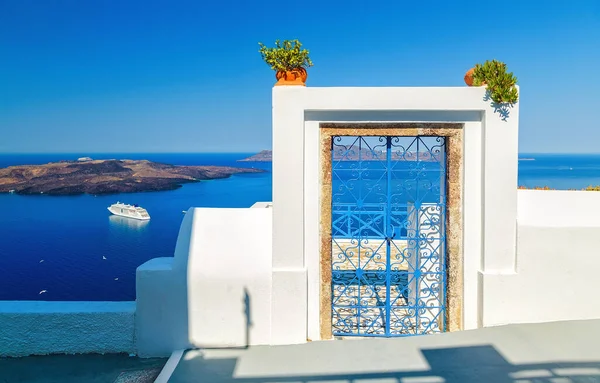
(106, 177)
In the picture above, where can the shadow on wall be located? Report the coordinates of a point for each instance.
(502, 109)
(247, 311)
(475, 364)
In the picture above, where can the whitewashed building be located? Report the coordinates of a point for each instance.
(371, 232)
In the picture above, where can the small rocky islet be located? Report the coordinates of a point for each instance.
(86, 176)
(262, 156)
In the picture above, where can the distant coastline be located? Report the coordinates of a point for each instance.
(342, 154)
(87, 176)
(263, 156)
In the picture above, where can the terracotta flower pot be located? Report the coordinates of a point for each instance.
(469, 77)
(291, 77)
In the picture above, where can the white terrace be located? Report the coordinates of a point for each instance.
(488, 255)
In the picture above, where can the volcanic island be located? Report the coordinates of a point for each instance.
(87, 176)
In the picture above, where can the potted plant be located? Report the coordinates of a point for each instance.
(288, 61)
(500, 84)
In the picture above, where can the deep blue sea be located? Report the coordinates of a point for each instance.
(57, 244)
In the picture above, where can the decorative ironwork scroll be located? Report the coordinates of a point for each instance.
(388, 235)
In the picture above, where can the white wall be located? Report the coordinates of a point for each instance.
(558, 208)
(198, 298)
(162, 300)
(229, 268)
(161, 319)
(268, 257)
(273, 254)
(38, 328)
(489, 186)
(558, 252)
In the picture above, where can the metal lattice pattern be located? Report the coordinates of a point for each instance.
(388, 235)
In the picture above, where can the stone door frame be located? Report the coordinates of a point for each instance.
(453, 133)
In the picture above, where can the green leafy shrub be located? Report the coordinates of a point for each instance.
(500, 84)
(285, 56)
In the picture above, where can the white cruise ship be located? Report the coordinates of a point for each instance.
(130, 211)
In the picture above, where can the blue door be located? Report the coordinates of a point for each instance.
(388, 235)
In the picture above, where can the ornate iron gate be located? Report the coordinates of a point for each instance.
(388, 235)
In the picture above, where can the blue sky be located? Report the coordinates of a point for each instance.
(185, 76)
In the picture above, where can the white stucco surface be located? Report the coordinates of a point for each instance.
(563, 352)
(229, 278)
(489, 181)
(524, 252)
(38, 328)
(216, 291)
(252, 276)
(557, 252)
(558, 208)
(161, 320)
(162, 323)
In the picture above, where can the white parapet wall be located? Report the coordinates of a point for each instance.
(161, 319)
(252, 276)
(558, 253)
(216, 291)
(39, 328)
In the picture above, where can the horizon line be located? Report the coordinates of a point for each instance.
(149, 152)
(235, 152)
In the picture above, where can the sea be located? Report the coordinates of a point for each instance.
(69, 248)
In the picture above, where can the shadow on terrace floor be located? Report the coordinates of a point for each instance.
(88, 368)
(471, 364)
